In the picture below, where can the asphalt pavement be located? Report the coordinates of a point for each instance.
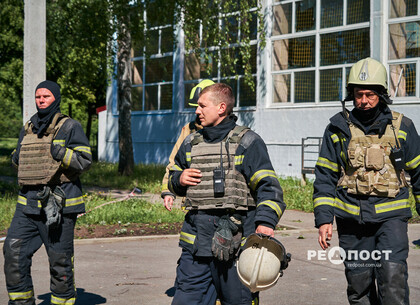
(141, 270)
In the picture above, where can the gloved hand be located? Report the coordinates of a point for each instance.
(227, 238)
(236, 220)
(418, 208)
(58, 152)
(52, 203)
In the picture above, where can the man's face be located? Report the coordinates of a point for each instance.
(209, 113)
(365, 99)
(44, 98)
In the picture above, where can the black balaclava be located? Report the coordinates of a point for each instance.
(43, 117)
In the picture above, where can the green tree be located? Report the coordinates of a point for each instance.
(78, 32)
(11, 67)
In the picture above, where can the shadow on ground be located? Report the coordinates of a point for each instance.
(83, 298)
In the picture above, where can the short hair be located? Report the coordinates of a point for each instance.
(220, 92)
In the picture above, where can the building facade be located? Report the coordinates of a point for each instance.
(300, 76)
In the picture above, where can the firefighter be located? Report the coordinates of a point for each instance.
(52, 152)
(231, 191)
(361, 181)
(167, 196)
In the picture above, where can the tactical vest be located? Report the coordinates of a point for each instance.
(206, 157)
(370, 170)
(36, 164)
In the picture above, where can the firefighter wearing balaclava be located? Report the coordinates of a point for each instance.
(52, 152)
(360, 180)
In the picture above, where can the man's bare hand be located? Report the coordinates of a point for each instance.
(265, 230)
(190, 176)
(168, 201)
(325, 235)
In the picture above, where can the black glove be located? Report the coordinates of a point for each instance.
(227, 238)
(52, 203)
(418, 208)
(58, 152)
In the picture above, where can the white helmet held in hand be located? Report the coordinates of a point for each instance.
(262, 261)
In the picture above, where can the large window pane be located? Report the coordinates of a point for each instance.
(230, 27)
(330, 85)
(305, 15)
(167, 40)
(305, 87)
(247, 96)
(137, 98)
(402, 8)
(294, 53)
(404, 40)
(281, 88)
(238, 68)
(358, 11)
(152, 45)
(137, 72)
(331, 13)
(282, 19)
(253, 26)
(406, 75)
(166, 97)
(151, 98)
(191, 67)
(344, 47)
(159, 70)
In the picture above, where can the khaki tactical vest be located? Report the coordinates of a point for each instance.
(370, 170)
(206, 157)
(36, 164)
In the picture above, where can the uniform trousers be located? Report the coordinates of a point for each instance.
(25, 236)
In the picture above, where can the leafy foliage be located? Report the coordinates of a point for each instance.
(78, 32)
(11, 67)
(220, 43)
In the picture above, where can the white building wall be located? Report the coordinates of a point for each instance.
(281, 128)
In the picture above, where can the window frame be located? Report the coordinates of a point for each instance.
(317, 32)
(413, 60)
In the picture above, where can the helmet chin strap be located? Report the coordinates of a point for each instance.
(345, 110)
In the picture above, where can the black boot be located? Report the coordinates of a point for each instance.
(392, 283)
(361, 289)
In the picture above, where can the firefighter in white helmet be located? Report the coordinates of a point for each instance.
(360, 180)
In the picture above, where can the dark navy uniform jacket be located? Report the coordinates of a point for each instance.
(254, 163)
(78, 158)
(330, 200)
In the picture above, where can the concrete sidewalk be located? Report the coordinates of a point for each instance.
(141, 270)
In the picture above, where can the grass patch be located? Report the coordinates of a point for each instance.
(146, 177)
(128, 211)
(296, 196)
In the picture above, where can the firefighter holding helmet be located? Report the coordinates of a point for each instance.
(361, 181)
(231, 191)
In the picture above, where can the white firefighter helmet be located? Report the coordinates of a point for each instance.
(370, 74)
(262, 261)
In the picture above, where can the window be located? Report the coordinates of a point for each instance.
(307, 51)
(403, 48)
(198, 67)
(152, 82)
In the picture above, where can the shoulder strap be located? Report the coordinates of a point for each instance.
(196, 138)
(236, 134)
(52, 127)
(28, 127)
